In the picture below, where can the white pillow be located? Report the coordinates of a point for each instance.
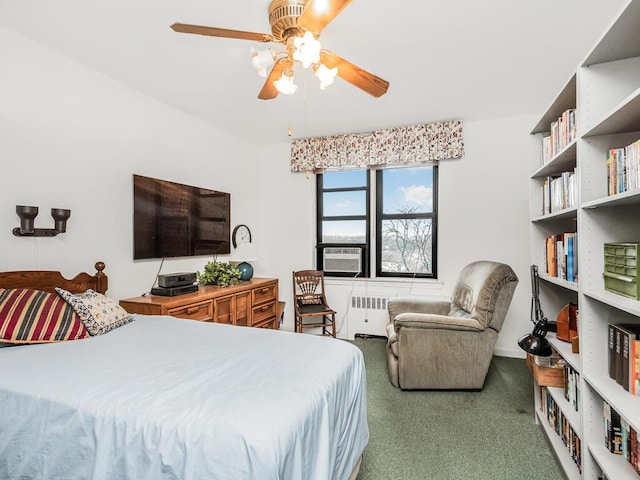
(99, 313)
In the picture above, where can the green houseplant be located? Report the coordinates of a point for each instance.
(219, 273)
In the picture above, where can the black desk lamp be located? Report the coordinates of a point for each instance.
(535, 342)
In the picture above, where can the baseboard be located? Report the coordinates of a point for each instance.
(510, 353)
(365, 336)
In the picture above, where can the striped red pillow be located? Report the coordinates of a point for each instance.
(34, 316)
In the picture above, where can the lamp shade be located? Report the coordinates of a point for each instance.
(535, 345)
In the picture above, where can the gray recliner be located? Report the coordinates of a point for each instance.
(442, 344)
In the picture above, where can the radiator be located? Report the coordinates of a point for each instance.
(369, 303)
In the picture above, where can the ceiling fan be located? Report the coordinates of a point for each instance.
(297, 25)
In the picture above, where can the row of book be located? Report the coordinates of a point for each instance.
(559, 193)
(623, 165)
(561, 426)
(572, 386)
(621, 438)
(562, 132)
(624, 355)
(561, 256)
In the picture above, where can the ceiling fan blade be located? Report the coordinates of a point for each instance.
(355, 75)
(221, 32)
(315, 20)
(269, 90)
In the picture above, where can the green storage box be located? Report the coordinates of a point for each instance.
(621, 269)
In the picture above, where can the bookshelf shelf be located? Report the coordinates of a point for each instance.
(625, 117)
(567, 213)
(562, 454)
(625, 404)
(570, 413)
(617, 467)
(631, 197)
(606, 91)
(564, 349)
(616, 301)
(565, 160)
(559, 281)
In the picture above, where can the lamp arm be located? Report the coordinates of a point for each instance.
(541, 323)
(535, 343)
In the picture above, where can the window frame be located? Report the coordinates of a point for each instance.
(374, 241)
(381, 217)
(320, 218)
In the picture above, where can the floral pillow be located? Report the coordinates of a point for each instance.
(99, 313)
(34, 316)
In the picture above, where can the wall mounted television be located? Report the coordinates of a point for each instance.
(175, 220)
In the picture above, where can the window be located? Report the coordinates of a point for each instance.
(405, 212)
(343, 224)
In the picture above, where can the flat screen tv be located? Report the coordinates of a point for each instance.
(175, 220)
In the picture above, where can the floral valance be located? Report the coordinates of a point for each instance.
(429, 142)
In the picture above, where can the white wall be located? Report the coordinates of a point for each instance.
(72, 138)
(483, 214)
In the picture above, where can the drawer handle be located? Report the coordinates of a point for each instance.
(623, 278)
(265, 308)
(193, 310)
(265, 290)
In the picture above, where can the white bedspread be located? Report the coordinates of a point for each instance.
(162, 398)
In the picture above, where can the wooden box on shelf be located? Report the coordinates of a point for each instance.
(551, 375)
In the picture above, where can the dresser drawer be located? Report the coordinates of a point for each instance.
(264, 314)
(264, 294)
(202, 311)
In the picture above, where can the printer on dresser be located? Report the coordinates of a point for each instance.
(253, 304)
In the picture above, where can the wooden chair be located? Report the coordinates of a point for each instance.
(310, 303)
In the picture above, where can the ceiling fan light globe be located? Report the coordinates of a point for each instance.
(320, 7)
(285, 84)
(307, 50)
(325, 75)
(261, 59)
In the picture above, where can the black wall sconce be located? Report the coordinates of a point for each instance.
(28, 214)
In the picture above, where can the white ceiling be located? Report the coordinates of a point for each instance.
(444, 59)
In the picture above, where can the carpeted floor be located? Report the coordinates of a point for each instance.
(447, 435)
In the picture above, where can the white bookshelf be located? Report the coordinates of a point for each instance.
(559, 448)
(605, 90)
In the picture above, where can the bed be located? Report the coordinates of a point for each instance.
(164, 398)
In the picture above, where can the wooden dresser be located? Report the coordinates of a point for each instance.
(252, 304)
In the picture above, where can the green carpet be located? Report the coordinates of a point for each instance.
(447, 435)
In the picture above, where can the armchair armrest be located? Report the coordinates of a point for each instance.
(442, 322)
(399, 305)
(427, 321)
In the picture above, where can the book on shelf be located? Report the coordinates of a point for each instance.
(611, 348)
(561, 256)
(572, 386)
(623, 168)
(570, 258)
(634, 365)
(623, 355)
(561, 426)
(562, 132)
(558, 192)
(546, 149)
(612, 430)
(620, 437)
(632, 447)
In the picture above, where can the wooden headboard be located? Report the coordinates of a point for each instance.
(47, 280)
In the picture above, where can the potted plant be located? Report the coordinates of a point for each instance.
(219, 273)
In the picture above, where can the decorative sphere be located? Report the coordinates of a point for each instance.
(246, 271)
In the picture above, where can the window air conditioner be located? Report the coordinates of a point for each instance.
(342, 259)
